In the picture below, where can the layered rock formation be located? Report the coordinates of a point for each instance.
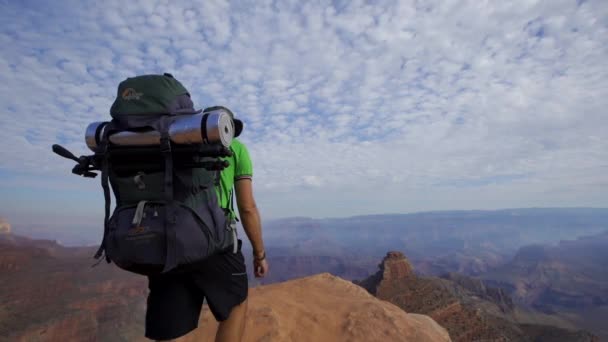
(470, 242)
(394, 270)
(468, 309)
(325, 308)
(477, 287)
(289, 267)
(569, 279)
(51, 293)
(467, 262)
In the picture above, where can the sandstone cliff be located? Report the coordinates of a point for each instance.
(325, 308)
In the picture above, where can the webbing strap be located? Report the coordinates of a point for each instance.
(231, 202)
(139, 213)
(170, 227)
(235, 241)
(165, 148)
(105, 166)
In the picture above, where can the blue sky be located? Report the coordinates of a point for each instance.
(350, 107)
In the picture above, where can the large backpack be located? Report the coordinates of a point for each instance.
(167, 216)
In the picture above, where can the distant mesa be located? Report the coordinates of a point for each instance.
(5, 227)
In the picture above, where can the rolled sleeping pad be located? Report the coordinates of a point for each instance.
(214, 127)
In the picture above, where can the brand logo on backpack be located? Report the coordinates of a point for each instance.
(137, 230)
(131, 94)
(140, 234)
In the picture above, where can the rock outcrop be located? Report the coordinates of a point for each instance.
(466, 307)
(5, 227)
(396, 267)
(325, 308)
(395, 270)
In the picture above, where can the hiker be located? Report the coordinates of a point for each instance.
(174, 220)
(174, 302)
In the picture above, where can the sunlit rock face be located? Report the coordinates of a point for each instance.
(324, 307)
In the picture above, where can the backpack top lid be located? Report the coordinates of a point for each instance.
(150, 95)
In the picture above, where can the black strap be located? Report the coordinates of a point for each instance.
(231, 200)
(168, 159)
(170, 229)
(105, 166)
(230, 197)
(217, 182)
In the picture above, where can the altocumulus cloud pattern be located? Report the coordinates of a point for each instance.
(350, 106)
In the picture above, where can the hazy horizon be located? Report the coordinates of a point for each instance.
(89, 232)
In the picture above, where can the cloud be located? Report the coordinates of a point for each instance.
(411, 105)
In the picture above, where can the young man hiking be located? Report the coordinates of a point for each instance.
(175, 301)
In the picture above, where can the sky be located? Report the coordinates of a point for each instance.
(350, 107)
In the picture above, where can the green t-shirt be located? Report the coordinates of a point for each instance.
(240, 168)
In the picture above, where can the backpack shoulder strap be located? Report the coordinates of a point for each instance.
(170, 219)
(105, 166)
(231, 205)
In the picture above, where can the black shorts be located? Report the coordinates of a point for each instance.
(175, 301)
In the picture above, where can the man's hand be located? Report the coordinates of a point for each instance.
(260, 267)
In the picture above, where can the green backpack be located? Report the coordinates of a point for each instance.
(167, 216)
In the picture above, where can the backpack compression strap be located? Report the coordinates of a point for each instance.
(105, 166)
(170, 232)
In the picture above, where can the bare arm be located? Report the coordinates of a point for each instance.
(250, 218)
(250, 215)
